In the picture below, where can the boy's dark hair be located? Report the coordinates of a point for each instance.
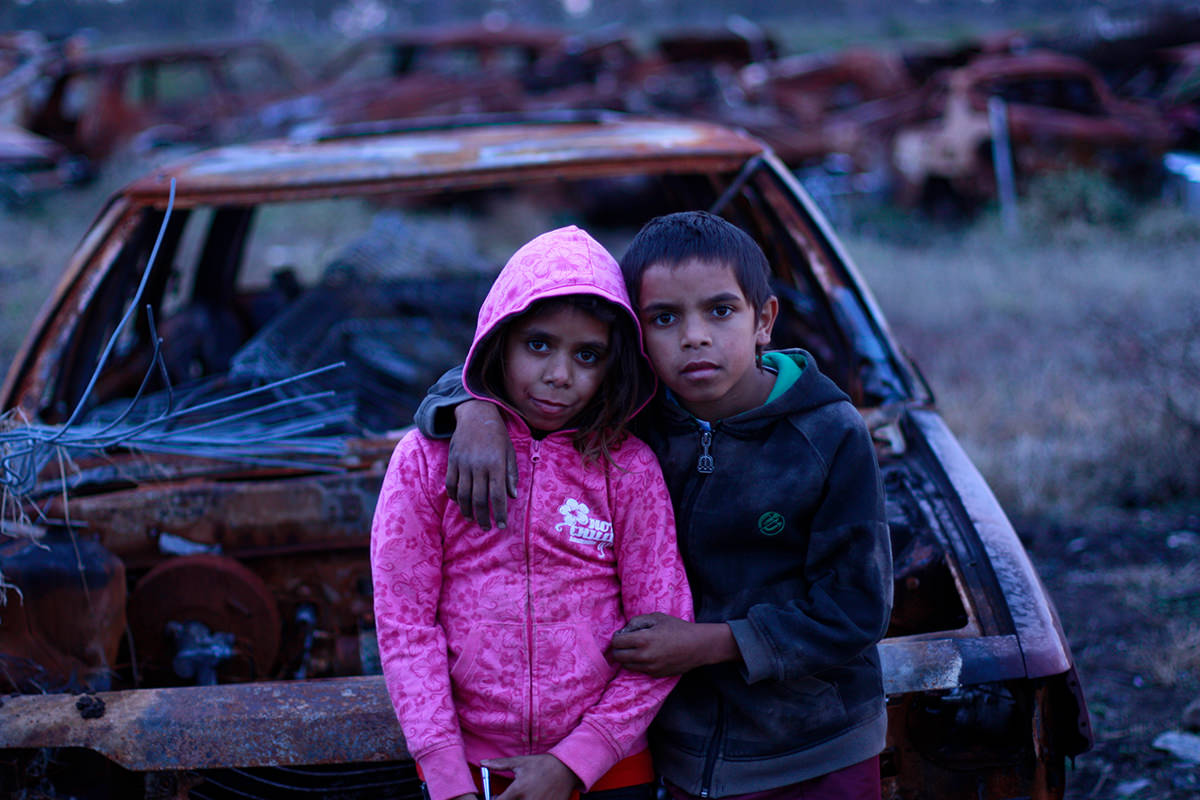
(674, 238)
(600, 427)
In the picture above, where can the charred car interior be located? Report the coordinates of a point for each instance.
(189, 608)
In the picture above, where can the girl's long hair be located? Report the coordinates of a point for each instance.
(601, 426)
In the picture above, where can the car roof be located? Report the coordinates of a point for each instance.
(124, 55)
(447, 156)
(471, 34)
(1035, 63)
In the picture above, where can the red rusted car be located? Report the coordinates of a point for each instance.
(32, 164)
(94, 103)
(440, 71)
(1060, 114)
(204, 409)
(814, 106)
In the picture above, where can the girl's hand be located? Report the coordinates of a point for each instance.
(540, 777)
(660, 645)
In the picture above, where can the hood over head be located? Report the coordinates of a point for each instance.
(564, 261)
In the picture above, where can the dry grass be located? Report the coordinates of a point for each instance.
(1059, 355)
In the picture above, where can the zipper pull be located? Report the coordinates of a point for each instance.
(537, 446)
(705, 465)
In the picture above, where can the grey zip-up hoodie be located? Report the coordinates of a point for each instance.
(785, 540)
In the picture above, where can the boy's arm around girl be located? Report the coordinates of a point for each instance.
(847, 563)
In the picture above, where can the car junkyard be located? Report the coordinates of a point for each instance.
(196, 595)
(195, 426)
(911, 125)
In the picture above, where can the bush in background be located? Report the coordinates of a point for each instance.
(1073, 198)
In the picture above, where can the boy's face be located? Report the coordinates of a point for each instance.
(702, 335)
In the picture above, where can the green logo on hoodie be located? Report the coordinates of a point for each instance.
(770, 523)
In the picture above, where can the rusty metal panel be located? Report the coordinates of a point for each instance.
(90, 472)
(112, 118)
(472, 156)
(925, 664)
(63, 611)
(244, 725)
(1043, 644)
(1049, 127)
(243, 518)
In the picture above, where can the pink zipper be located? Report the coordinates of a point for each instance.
(535, 457)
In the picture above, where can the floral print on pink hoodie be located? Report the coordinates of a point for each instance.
(493, 642)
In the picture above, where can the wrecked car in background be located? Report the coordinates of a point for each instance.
(32, 164)
(814, 106)
(440, 71)
(189, 606)
(474, 69)
(94, 103)
(1060, 115)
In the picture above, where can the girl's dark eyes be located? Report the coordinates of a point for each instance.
(663, 318)
(587, 357)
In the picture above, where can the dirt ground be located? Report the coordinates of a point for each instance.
(1128, 594)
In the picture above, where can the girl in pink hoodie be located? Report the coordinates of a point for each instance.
(493, 641)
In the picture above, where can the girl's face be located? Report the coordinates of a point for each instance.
(553, 365)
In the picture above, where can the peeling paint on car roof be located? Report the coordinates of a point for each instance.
(236, 160)
(423, 154)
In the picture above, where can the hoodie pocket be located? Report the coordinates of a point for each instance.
(776, 717)
(570, 675)
(490, 677)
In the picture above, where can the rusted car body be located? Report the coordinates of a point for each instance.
(693, 72)
(1060, 114)
(32, 164)
(811, 107)
(1169, 78)
(460, 69)
(1179, 96)
(97, 102)
(188, 622)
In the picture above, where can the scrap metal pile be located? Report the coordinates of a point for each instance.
(196, 563)
(910, 124)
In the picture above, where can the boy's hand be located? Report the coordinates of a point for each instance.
(540, 777)
(481, 467)
(660, 645)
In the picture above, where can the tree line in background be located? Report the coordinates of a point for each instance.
(124, 18)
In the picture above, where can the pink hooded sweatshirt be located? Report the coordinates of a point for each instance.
(493, 642)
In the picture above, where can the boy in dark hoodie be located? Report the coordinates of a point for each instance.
(780, 521)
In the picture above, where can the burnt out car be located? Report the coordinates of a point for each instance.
(449, 70)
(95, 103)
(1060, 114)
(189, 608)
(30, 164)
(829, 113)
